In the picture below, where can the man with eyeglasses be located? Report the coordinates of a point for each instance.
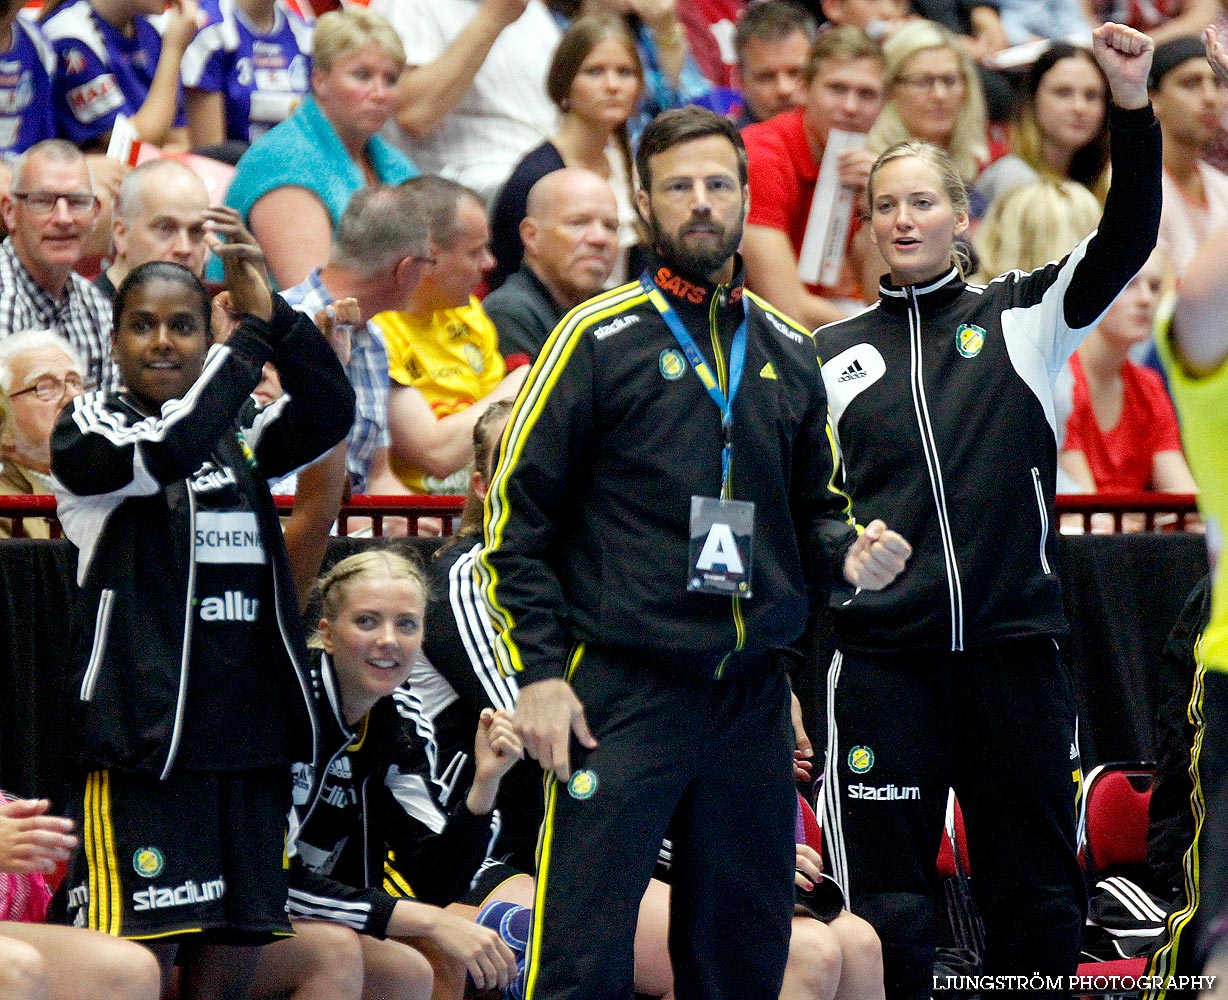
(39, 373)
(443, 350)
(844, 90)
(377, 258)
(50, 211)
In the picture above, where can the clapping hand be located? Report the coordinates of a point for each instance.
(243, 265)
(1216, 55)
(659, 15)
(183, 20)
(497, 747)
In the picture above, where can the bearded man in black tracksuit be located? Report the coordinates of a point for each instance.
(942, 403)
(643, 608)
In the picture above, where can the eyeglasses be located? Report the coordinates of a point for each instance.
(418, 259)
(924, 82)
(44, 202)
(52, 388)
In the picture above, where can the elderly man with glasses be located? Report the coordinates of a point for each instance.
(50, 212)
(39, 374)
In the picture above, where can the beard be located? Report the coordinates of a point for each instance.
(696, 261)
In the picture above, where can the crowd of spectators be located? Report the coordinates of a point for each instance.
(497, 95)
(442, 181)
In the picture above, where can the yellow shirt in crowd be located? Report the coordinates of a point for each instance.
(452, 358)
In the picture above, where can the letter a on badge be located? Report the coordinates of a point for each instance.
(720, 548)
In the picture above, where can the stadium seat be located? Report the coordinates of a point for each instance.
(1117, 799)
(953, 848)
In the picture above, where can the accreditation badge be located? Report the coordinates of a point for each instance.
(722, 541)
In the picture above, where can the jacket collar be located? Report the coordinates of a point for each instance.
(689, 294)
(933, 294)
(539, 287)
(328, 678)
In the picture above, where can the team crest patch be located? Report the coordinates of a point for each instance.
(672, 365)
(861, 759)
(583, 785)
(148, 862)
(969, 340)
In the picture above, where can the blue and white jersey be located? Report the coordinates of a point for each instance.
(26, 69)
(261, 77)
(99, 72)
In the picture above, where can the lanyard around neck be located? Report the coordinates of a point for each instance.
(737, 361)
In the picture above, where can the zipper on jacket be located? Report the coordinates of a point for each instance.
(374, 879)
(929, 448)
(300, 673)
(317, 779)
(720, 297)
(185, 656)
(102, 624)
(318, 782)
(1044, 519)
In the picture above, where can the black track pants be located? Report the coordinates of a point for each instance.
(997, 725)
(716, 756)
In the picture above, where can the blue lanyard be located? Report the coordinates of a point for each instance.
(737, 361)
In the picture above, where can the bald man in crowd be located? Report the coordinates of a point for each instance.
(162, 212)
(570, 235)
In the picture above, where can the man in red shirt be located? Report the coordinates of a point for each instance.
(844, 90)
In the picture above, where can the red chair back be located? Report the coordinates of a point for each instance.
(1118, 806)
(954, 838)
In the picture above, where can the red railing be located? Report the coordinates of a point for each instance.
(1113, 512)
(1090, 513)
(371, 510)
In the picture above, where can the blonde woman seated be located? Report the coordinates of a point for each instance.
(1028, 226)
(933, 93)
(1122, 434)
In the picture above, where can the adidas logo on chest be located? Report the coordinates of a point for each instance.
(849, 374)
(852, 372)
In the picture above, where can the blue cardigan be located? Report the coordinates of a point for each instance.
(305, 151)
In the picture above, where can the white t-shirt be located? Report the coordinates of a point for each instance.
(503, 115)
(1184, 225)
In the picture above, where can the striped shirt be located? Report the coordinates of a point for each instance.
(82, 317)
(368, 374)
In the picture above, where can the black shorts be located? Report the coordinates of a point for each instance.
(201, 853)
(488, 878)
